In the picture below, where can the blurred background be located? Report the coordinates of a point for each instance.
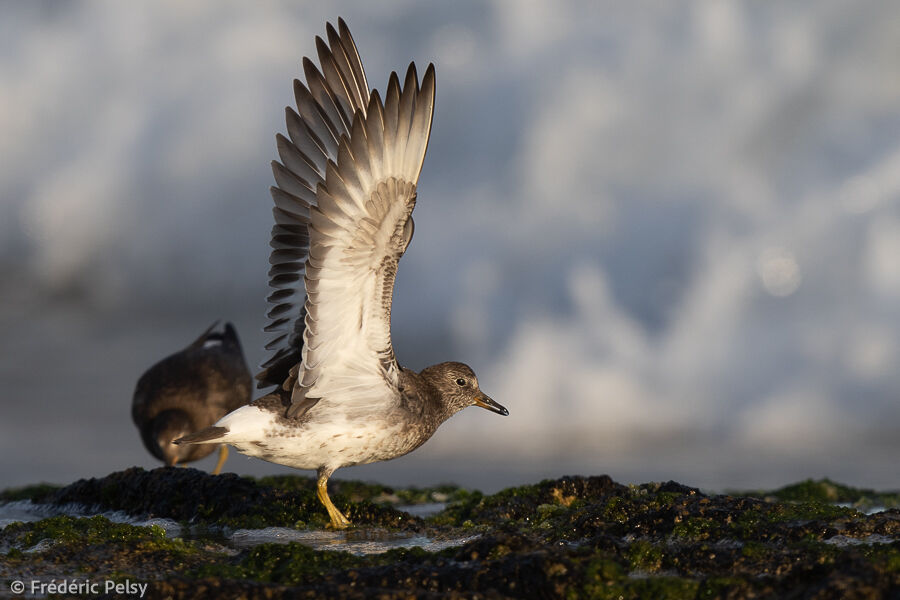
(666, 235)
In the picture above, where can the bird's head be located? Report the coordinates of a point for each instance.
(168, 426)
(458, 387)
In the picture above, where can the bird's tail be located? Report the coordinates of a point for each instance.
(210, 435)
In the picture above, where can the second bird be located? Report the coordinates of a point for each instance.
(189, 391)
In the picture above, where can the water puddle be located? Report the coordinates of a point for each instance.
(354, 542)
(844, 541)
(423, 510)
(868, 510)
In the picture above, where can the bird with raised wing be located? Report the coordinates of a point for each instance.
(344, 195)
(189, 391)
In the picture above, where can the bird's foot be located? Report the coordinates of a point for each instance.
(338, 520)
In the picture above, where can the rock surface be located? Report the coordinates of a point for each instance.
(574, 537)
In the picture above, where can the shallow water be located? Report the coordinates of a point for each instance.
(423, 510)
(354, 542)
(868, 510)
(843, 541)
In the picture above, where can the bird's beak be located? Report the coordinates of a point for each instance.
(488, 404)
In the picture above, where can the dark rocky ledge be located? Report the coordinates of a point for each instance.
(574, 537)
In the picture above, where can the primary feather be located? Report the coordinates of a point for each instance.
(325, 108)
(346, 189)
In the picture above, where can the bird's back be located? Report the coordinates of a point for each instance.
(209, 377)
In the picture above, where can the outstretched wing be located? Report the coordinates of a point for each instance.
(326, 107)
(359, 228)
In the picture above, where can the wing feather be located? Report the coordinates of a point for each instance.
(359, 228)
(326, 107)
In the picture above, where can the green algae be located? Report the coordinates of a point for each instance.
(659, 588)
(355, 491)
(36, 493)
(755, 550)
(291, 563)
(460, 511)
(296, 504)
(617, 510)
(295, 563)
(828, 491)
(297, 510)
(697, 529)
(600, 575)
(723, 587)
(606, 577)
(84, 531)
(886, 556)
(644, 556)
(753, 523)
(531, 505)
(822, 490)
(292, 483)
(573, 537)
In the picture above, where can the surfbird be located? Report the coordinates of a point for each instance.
(344, 195)
(189, 391)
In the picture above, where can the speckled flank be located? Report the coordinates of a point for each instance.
(332, 443)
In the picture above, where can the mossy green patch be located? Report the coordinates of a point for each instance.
(35, 493)
(601, 573)
(92, 530)
(528, 505)
(296, 564)
(297, 509)
(755, 550)
(460, 511)
(360, 491)
(828, 491)
(616, 510)
(447, 492)
(821, 490)
(887, 556)
(696, 528)
(605, 577)
(754, 523)
(809, 511)
(286, 482)
(723, 587)
(291, 564)
(659, 588)
(644, 556)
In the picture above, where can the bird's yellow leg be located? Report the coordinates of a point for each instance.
(338, 520)
(223, 456)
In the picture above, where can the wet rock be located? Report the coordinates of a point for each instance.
(227, 500)
(571, 537)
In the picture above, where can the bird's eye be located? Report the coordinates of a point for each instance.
(460, 381)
